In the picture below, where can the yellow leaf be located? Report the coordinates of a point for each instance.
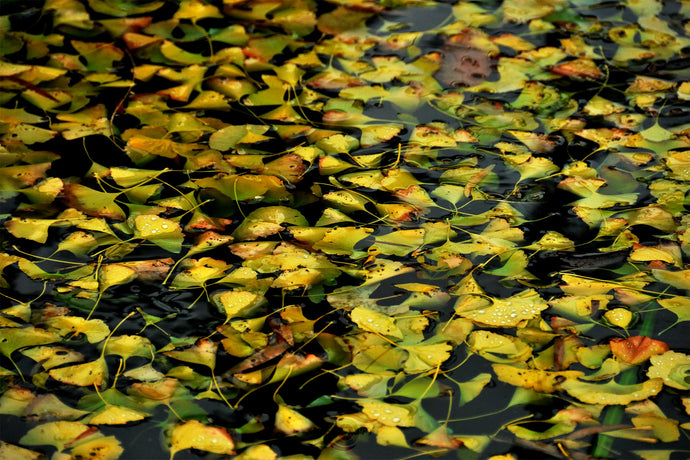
(679, 279)
(163, 232)
(195, 10)
(238, 304)
(31, 229)
(196, 435)
(507, 312)
(290, 421)
(671, 367)
(498, 348)
(388, 414)
(370, 320)
(115, 415)
(424, 357)
(83, 375)
(612, 392)
(95, 330)
(130, 345)
(138, 145)
(620, 317)
(12, 452)
(98, 448)
(203, 352)
(391, 436)
(539, 380)
(113, 274)
(646, 253)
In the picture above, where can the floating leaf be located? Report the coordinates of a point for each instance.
(507, 312)
(163, 232)
(10, 451)
(98, 448)
(12, 339)
(539, 380)
(196, 435)
(92, 202)
(370, 320)
(638, 349)
(203, 352)
(84, 375)
(115, 415)
(95, 330)
(57, 434)
(612, 392)
(289, 421)
(388, 414)
(672, 367)
(424, 357)
(498, 348)
(238, 303)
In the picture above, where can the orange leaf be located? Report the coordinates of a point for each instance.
(582, 68)
(638, 349)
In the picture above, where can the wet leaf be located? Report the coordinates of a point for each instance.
(289, 421)
(196, 435)
(539, 380)
(672, 367)
(638, 349)
(98, 447)
(498, 348)
(115, 415)
(612, 392)
(502, 312)
(370, 320)
(83, 375)
(163, 232)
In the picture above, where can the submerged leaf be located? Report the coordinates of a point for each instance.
(57, 434)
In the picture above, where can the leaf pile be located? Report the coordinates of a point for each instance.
(270, 228)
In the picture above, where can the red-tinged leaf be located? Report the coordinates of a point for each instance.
(196, 435)
(289, 167)
(638, 349)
